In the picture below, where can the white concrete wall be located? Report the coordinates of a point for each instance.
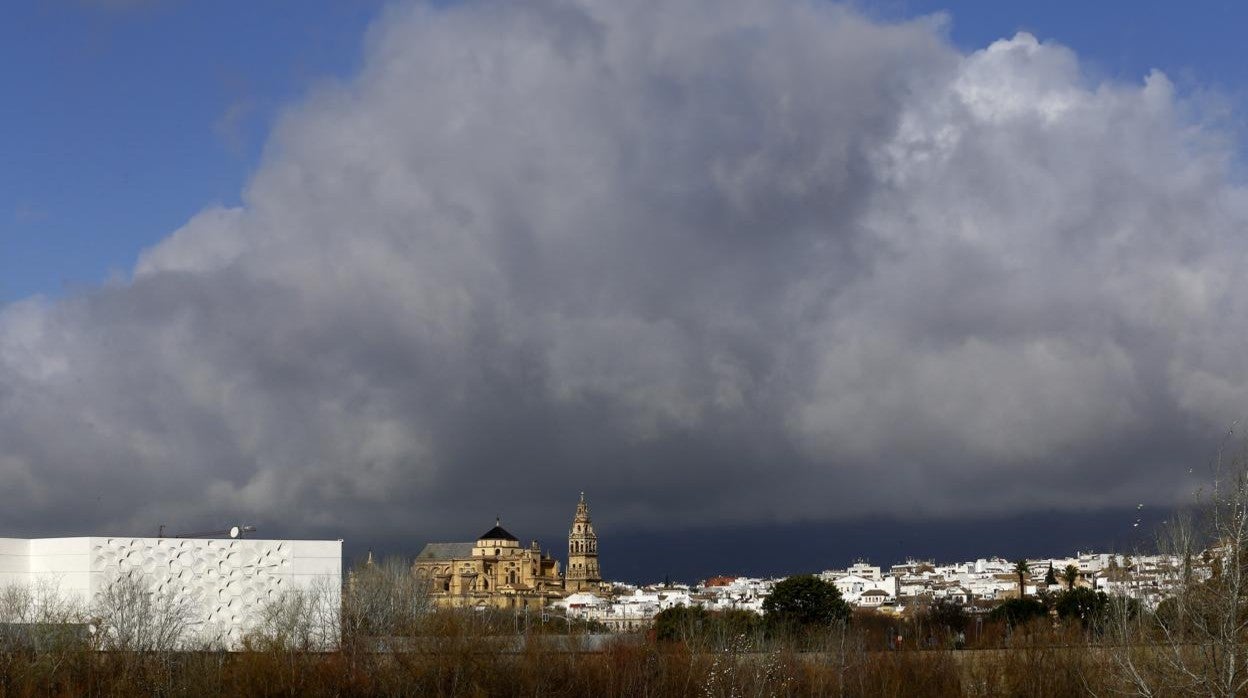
(14, 561)
(228, 583)
(63, 563)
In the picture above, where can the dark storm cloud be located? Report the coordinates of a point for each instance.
(712, 262)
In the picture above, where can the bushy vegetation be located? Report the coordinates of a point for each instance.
(467, 653)
(393, 643)
(393, 646)
(1089, 608)
(1019, 611)
(802, 605)
(696, 626)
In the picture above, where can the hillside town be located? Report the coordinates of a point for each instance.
(979, 584)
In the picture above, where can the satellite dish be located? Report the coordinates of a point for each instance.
(235, 532)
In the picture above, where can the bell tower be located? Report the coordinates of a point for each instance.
(582, 573)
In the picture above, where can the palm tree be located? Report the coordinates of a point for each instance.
(1021, 569)
(1070, 574)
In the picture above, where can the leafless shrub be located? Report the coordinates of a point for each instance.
(39, 617)
(43, 634)
(131, 616)
(382, 602)
(298, 620)
(1196, 641)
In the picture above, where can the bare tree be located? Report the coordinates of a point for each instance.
(299, 620)
(384, 601)
(41, 631)
(132, 616)
(1196, 641)
(39, 617)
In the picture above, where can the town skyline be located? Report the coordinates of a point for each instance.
(689, 556)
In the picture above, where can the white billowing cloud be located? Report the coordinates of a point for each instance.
(210, 241)
(707, 260)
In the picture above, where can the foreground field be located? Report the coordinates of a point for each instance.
(1043, 661)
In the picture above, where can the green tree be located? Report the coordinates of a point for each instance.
(1088, 606)
(803, 603)
(1021, 569)
(681, 624)
(1018, 611)
(699, 627)
(1050, 577)
(735, 623)
(1071, 575)
(949, 616)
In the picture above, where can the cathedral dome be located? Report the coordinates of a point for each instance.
(497, 533)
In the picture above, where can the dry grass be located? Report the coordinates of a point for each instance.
(460, 660)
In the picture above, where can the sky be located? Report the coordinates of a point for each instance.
(895, 272)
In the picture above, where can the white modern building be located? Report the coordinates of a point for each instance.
(223, 585)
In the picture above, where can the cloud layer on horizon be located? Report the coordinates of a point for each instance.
(712, 261)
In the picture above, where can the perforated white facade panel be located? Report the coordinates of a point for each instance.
(227, 583)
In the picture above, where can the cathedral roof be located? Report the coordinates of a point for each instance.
(445, 551)
(497, 533)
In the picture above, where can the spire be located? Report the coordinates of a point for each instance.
(582, 511)
(369, 561)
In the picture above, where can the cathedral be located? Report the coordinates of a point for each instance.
(496, 571)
